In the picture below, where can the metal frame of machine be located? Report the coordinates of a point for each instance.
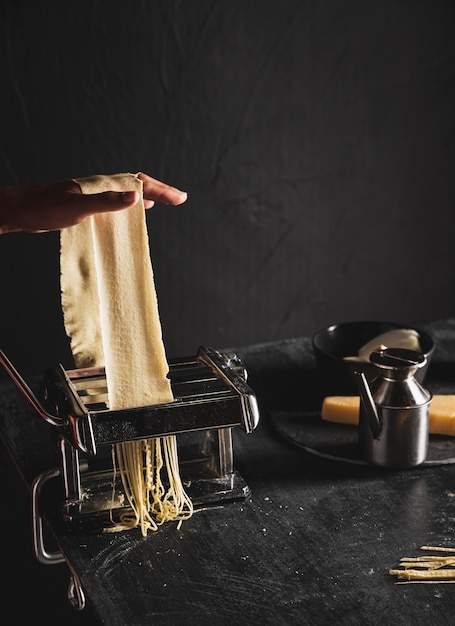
(211, 397)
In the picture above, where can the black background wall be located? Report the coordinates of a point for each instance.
(316, 140)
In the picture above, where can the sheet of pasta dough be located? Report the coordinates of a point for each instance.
(109, 302)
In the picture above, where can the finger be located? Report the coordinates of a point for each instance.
(107, 201)
(161, 192)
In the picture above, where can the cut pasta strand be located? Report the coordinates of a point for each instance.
(413, 574)
(430, 569)
(427, 582)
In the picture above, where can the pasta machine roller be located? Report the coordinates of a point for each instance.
(211, 397)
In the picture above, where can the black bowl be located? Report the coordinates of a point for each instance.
(337, 341)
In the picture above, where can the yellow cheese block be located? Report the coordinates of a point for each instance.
(345, 410)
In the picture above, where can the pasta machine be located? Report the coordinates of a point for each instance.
(211, 397)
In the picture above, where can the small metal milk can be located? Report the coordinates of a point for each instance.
(394, 410)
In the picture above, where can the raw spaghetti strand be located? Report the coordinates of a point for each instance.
(426, 569)
(140, 466)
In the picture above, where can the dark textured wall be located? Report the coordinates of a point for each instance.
(315, 140)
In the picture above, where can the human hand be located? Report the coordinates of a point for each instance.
(42, 208)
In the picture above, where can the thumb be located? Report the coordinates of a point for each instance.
(129, 197)
(109, 201)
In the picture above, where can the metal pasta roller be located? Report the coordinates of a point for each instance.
(211, 397)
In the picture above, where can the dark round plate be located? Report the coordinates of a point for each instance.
(338, 442)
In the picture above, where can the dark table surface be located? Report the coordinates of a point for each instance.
(313, 544)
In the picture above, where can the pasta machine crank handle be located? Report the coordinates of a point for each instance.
(29, 394)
